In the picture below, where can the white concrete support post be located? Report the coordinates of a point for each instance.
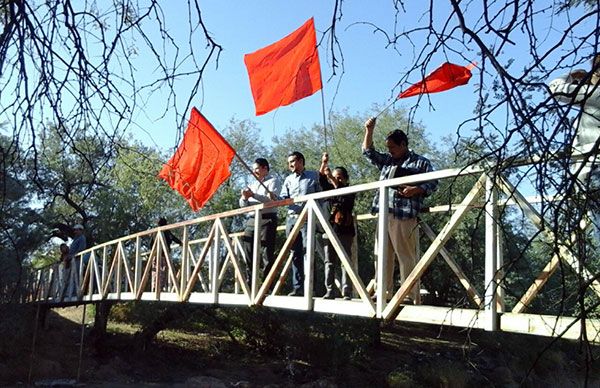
(184, 272)
(137, 270)
(491, 252)
(214, 266)
(382, 250)
(255, 254)
(309, 257)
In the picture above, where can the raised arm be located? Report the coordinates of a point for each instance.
(369, 128)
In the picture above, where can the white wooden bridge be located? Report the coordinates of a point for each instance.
(208, 267)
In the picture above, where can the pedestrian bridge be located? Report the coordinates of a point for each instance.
(208, 266)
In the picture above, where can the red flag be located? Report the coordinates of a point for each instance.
(285, 71)
(201, 162)
(443, 78)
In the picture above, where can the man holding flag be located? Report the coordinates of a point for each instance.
(405, 203)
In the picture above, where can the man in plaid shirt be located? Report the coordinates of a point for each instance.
(405, 201)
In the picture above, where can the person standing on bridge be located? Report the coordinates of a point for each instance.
(261, 191)
(299, 182)
(404, 204)
(159, 276)
(582, 88)
(78, 244)
(342, 223)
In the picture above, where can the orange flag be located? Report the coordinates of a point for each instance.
(201, 163)
(443, 78)
(285, 71)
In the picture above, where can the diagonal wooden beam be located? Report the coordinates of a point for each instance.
(232, 258)
(198, 266)
(462, 277)
(287, 245)
(564, 253)
(167, 258)
(335, 242)
(110, 273)
(147, 270)
(283, 275)
(391, 310)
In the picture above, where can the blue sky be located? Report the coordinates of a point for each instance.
(371, 71)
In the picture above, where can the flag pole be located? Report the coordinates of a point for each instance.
(252, 173)
(386, 108)
(323, 109)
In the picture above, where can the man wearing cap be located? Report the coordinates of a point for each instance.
(79, 243)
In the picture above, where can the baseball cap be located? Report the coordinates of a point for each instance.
(78, 226)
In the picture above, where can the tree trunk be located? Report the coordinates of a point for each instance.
(145, 336)
(101, 318)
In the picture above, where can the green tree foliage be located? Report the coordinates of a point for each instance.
(20, 229)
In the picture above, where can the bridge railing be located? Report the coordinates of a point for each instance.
(208, 267)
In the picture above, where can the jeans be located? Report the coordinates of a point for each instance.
(332, 262)
(267, 236)
(298, 252)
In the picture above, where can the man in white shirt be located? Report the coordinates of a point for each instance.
(582, 88)
(262, 190)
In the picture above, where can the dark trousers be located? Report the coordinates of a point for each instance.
(298, 253)
(332, 263)
(268, 231)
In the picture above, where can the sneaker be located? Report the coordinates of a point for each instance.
(408, 300)
(328, 295)
(296, 293)
(347, 297)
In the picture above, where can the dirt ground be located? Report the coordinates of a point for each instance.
(409, 356)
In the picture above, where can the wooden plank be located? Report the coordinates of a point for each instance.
(462, 277)
(194, 277)
(283, 275)
(281, 257)
(344, 259)
(564, 252)
(233, 260)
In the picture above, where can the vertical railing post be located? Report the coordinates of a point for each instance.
(309, 259)
(382, 251)
(137, 270)
(214, 269)
(256, 250)
(185, 267)
(157, 262)
(491, 253)
(499, 269)
(120, 271)
(105, 269)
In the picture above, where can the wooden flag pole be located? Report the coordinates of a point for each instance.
(324, 120)
(386, 108)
